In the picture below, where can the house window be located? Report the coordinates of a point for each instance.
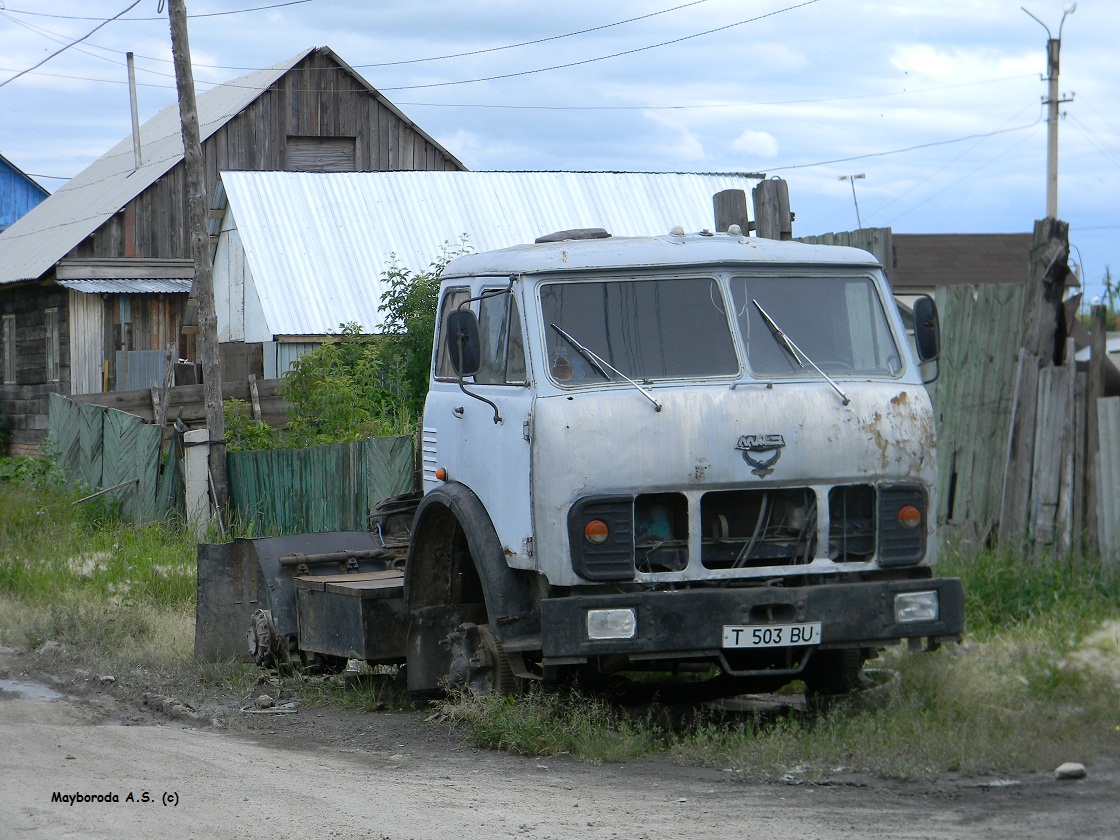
(51, 322)
(9, 331)
(321, 154)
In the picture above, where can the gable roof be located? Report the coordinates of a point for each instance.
(44, 236)
(318, 244)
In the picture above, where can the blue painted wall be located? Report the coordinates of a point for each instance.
(18, 194)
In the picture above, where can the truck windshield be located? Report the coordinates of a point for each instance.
(837, 321)
(663, 328)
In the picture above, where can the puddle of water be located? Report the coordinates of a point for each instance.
(30, 691)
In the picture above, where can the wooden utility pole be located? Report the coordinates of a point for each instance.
(1053, 101)
(200, 251)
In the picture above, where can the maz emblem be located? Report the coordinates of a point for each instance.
(762, 444)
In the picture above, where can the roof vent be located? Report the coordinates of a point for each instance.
(676, 230)
(575, 233)
(734, 230)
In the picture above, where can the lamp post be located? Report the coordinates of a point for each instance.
(853, 179)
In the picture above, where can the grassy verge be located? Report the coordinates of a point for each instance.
(75, 574)
(1034, 683)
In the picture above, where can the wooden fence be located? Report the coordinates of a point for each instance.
(325, 488)
(104, 448)
(187, 402)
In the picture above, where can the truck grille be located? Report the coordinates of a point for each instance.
(758, 528)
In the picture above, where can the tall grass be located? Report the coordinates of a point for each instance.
(1012, 698)
(79, 575)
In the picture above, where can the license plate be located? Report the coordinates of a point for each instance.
(771, 635)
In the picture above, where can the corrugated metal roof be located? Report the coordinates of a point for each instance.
(128, 286)
(318, 244)
(41, 238)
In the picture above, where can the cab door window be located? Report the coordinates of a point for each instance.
(503, 342)
(451, 302)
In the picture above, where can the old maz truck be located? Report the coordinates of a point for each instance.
(703, 455)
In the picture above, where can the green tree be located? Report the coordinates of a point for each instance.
(409, 327)
(356, 386)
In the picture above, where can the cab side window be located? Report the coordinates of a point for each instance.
(451, 301)
(503, 342)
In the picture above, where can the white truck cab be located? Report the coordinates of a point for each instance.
(684, 451)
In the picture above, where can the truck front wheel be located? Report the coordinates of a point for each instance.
(478, 663)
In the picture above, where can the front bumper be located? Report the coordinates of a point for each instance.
(688, 624)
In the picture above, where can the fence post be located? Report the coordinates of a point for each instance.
(196, 466)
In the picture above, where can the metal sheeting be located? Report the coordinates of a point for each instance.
(325, 488)
(129, 286)
(50, 231)
(138, 369)
(318, 244)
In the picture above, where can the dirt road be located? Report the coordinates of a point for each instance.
(393, 776)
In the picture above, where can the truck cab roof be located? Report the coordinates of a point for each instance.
(672, 250)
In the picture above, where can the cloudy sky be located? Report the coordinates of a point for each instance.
(938, 104)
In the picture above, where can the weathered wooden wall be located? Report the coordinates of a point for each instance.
(186, 402)
(23, 403)
(316, 98)
(972, 400)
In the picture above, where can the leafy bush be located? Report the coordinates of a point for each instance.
(345, 389)
(243, 432)
(410, 321)
(356, 386)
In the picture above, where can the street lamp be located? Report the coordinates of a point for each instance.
(853, 179)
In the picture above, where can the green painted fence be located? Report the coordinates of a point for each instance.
(326, 488)
(102, 447)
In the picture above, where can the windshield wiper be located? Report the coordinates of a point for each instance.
(600, 363)
(798, 354)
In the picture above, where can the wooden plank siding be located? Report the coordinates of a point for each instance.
(318, 97)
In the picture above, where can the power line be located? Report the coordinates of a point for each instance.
(161, 17)
(71, 44)
(900, 151)
(604, 57)
(985, 164)
(943, 167)
(1109, 154)
(529, 43)
(417, 60)
(509, 107)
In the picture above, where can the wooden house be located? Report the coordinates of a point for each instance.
(19, 193)
(93, 281)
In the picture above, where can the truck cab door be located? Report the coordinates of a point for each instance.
(479, 432)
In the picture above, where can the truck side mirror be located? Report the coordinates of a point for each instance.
(463, 343)
(927, 329)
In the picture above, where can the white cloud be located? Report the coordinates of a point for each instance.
(757, 143)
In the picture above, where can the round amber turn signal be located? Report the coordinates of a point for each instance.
(441, 474)
(909, 517)
(596, 532)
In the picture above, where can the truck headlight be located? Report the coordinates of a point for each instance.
(915, 606)
(612, 624)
